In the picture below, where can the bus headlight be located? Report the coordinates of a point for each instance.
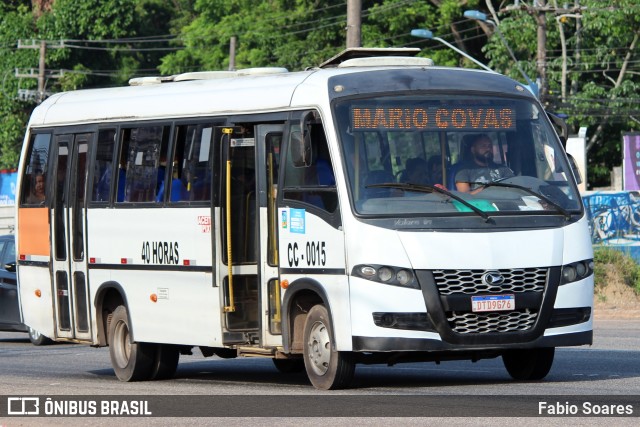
(404, 277)
(569, 273)
(581, 269)
(389, 275)
(576, 271)
(385, 274)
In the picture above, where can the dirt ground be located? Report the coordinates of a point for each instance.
(616, 300)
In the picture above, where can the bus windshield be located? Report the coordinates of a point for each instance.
(450, 155)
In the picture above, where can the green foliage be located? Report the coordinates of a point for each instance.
(74, 80)
(15, 23)
(272, 33)
(85, 63)
(82, 19)
(113, 40)
(606, 258)
(598, 93)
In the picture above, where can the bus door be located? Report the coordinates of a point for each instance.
(69, 243)
(239, 213)
(269, 138)
(251, 285)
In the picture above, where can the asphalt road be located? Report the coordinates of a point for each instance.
(252, 387)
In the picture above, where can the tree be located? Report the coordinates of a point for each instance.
(601, 41)
(304, 33)
(16, 21)
(113, 40)
(285, 33)
(106, 42)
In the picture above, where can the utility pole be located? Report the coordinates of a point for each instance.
(574, 79)
(232, 53)
(538, 10)
(354, 23)
(42, 72)
(541, 61)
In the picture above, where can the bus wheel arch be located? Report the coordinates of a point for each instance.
(109, 296)
(300, 297)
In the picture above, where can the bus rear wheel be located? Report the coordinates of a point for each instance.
(131, 361)
(165, 361)
(326, 368)
(37, 338)
(529, 364)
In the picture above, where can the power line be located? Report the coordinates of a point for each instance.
(129, 49)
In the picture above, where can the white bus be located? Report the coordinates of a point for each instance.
(277, 214)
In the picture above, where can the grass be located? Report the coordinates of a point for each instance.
(607, 259)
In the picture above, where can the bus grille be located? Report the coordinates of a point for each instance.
(481, 323)
(452, 282)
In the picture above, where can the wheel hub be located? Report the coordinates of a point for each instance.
(123, 346)
(319, 346)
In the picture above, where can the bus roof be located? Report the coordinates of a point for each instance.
(229, 94)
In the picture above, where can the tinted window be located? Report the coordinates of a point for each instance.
(142, 163)
(103, 166)
(313, 184)
(191, 174)
(34, 181)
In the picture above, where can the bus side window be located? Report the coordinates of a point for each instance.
(103, 166)
(34, 182)
(313, 184)
(142, 158)
(190, 171)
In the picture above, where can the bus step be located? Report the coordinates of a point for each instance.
(256, 352)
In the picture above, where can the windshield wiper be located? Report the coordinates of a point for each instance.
(544, 198)
(427, 188)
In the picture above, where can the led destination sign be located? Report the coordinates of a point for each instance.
(454, 117)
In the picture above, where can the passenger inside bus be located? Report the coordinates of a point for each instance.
(37, 195)
(434, 169)
(479, 167)
(178, 191)
(416, 171)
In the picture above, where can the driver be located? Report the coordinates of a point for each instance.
(480, 167)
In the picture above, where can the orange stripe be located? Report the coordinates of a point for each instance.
(33, 231)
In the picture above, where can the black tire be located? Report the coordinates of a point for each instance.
(289, 366)
(165, 362)
(530, 364)
(131, 361)
(326, 368)
(37, 338)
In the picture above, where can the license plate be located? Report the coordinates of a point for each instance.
(493, 303)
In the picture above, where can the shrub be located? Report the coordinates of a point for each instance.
(606, 258)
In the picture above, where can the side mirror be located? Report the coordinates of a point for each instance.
(575, 169)
(301, 143)
(10, 267)
(561, 128)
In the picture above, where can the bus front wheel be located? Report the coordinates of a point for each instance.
(131, 361)
(326, 368)
(529, 364)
